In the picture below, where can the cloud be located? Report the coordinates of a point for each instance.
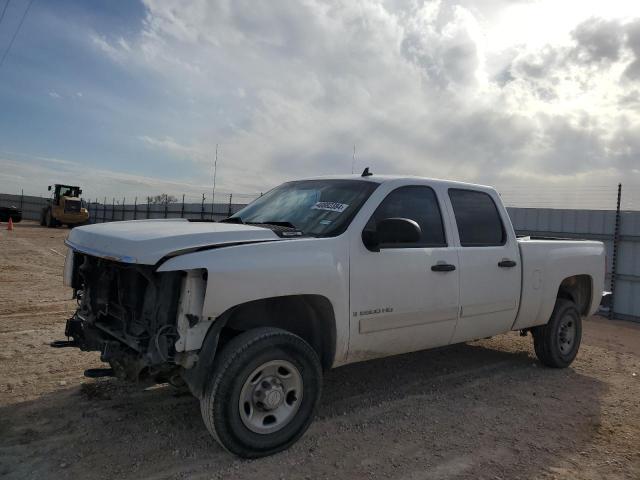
(598, 40)
(54, 94)
(170, 145)
(116, 51)
(287, 88)
(633, 42)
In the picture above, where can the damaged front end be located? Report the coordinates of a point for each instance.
(128, 313)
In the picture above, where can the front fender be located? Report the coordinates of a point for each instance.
(244, 273)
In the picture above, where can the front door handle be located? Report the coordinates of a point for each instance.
(507, 263)
(443, 267)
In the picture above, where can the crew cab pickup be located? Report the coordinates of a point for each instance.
(247, 313)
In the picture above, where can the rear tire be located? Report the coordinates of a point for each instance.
(263, 392)
(557, 343)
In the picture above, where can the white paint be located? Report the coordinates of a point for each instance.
(489, 294)
(147, 241)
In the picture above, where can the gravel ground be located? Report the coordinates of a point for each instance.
(485, 409)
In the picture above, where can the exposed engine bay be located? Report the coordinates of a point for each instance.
(127, 312)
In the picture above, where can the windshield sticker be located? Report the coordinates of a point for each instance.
(325, 222)
(330, 206)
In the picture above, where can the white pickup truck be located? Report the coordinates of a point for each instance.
(315, 274)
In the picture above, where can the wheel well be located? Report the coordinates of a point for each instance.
(311, 317)
(577, 288)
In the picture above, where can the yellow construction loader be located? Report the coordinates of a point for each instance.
(64, 207)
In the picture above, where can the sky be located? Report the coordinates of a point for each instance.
(539, 98)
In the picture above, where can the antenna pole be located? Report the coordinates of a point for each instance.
(213, 190)
(353, 159)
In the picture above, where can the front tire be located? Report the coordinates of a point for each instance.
(263, 393)
(557, 343)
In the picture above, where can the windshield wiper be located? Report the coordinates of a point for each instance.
(232, 220)
(282, 228)
(279, 224)
(270, 222)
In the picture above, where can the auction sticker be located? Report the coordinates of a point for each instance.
(330, 206)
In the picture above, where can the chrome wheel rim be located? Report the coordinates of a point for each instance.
(566, 334)
(270, 397)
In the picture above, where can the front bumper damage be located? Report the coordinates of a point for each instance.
(126, 312)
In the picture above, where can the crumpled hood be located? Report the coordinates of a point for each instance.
(148, 241)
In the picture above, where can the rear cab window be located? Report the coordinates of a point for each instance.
(477, 217)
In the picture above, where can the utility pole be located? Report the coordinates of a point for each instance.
(213, 190)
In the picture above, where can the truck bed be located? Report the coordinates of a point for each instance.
(546, 263)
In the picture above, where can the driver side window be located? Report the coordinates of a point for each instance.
(417, 203)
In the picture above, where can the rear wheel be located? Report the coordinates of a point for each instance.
(557, 343)
(263, 393)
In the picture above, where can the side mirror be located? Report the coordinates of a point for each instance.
(80, 192)
(49, 188)
(390, 231)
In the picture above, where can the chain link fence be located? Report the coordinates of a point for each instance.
(103, 210)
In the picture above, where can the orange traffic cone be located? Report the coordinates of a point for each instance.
(10, 224)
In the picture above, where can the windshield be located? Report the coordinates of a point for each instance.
(67, 191)
(314, 207)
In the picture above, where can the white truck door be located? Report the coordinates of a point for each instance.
(404, 297)
(489, 265)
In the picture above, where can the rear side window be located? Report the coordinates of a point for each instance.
(417, 203)
(479, 223)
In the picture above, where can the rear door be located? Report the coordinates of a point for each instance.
(404, 297)
(489, 264)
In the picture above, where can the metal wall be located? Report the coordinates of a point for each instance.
(594, 225)
(100, 212)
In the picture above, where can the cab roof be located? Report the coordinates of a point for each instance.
(375, 178)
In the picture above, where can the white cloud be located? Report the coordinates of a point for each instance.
(491, 92)
(54, 94)
(116, 51)
(170, 145)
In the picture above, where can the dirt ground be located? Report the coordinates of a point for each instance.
(486, 409)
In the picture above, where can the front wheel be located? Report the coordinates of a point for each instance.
(557, 343)
(263, 393)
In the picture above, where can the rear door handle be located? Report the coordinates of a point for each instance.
(507, 263)
(443, 267)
